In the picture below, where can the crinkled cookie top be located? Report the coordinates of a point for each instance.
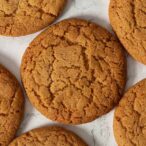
(74, 71)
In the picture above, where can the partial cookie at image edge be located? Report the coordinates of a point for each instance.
(21, 17)
(129, 117)
(48, 136)
(128, 18)
(11, 106)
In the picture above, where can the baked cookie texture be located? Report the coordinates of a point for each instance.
(130, 117)
(74, 71)
(11, 106)
(48, 136)
(22, 17)
(128, 19)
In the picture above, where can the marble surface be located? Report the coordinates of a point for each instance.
(100, 131)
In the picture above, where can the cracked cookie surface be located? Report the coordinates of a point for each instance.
(22, 17)
(74, 72)
(130, 117)
(11, 106)
(49, 136)
(128, 19)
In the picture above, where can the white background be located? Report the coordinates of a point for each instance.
(98, 132)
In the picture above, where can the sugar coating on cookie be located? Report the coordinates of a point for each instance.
(74, 71)
(22, 17)
(11, 106)
(130, 117)
(48, 136)
(128, 18)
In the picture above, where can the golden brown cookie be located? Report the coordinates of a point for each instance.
(74, 71)
(22, 17)
(48, 136)
(11, 106)
(130, 117)
(128, 19)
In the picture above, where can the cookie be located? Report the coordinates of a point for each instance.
(130, 117)
(22, 17)
(48, 136)
(74, 71)
(128, 19)
(11, 106)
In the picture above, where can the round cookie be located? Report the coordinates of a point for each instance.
(22, 17)
(11, 106)
(74, 72)
(48, 136)
(130, 117)
(128, 19)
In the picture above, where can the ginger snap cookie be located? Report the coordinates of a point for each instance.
(74, 71)
(130, 117)
(48, 136)
(11, 106)
(128, 19)
(22, 17)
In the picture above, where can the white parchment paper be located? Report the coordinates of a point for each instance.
(100, 131)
